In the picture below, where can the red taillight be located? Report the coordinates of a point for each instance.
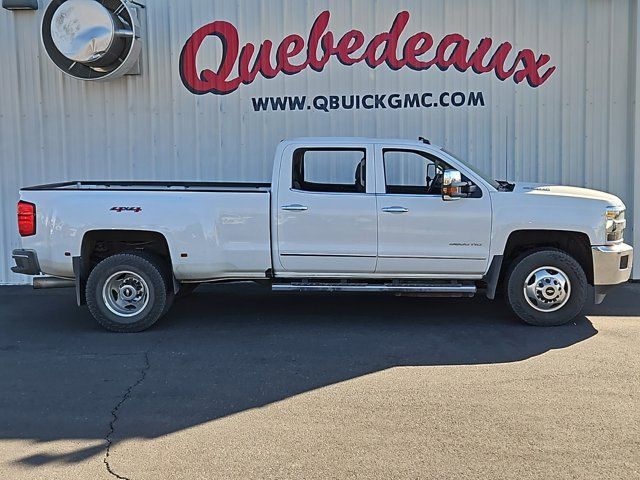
(26, 218)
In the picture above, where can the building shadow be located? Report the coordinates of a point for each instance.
(228, 349)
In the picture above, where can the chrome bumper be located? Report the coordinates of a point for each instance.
(612, 264)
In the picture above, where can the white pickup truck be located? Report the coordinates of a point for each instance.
(341, 214)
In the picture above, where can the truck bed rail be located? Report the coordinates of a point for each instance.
(153, 186)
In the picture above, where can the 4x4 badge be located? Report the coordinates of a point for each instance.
(126, 209)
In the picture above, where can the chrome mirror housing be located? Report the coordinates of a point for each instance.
(452, 185)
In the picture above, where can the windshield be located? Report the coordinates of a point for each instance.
(475, 170)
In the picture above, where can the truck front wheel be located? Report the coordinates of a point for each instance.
(128, 292)
(546, 287)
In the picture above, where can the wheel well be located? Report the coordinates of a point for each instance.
(576, 244)
(100, 244)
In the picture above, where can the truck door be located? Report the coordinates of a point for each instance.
(420, 233)
(326, 219)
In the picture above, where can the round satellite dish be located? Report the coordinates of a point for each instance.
(92, 40)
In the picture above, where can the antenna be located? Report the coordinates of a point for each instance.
(424, 140)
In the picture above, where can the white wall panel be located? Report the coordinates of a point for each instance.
(579, 127)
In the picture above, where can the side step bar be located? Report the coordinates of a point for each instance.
(444, 289)
(52, 282)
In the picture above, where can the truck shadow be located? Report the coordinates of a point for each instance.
(226, 350)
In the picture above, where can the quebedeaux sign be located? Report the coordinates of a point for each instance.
(241, 65)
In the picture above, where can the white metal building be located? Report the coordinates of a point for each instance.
(526, 90)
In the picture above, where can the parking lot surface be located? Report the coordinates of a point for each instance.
(240, 383)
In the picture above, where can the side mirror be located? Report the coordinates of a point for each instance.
(452, 185)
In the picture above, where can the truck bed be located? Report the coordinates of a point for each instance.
(213, 231)
(154, 186)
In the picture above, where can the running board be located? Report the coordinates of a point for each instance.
(444, 289)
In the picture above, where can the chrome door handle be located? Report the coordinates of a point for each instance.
(295, 207)
(395, 210)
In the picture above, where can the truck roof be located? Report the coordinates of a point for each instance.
(350, 140)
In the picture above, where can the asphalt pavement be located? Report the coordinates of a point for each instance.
(239, 383)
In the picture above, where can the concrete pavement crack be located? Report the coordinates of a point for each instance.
(114, 414)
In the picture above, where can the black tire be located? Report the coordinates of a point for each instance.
(154, 275)
(566, 308)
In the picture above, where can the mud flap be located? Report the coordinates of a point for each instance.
(81, 272)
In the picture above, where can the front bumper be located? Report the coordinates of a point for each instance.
(612, 264)
(26, 262)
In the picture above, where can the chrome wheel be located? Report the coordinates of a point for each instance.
(547, 289)
(125, 294)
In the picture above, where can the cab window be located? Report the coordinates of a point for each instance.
(410, 172)
(413, 172)
(329, 170)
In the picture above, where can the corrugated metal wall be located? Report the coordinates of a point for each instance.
(577, 128)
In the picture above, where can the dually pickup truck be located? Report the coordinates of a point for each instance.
(341, 215)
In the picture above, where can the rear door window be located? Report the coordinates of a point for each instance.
(331, 170)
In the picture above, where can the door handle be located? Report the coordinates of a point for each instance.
(295, 207)
(395, 210)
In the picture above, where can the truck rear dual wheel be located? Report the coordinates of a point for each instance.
(546, 287)
(129, 292)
